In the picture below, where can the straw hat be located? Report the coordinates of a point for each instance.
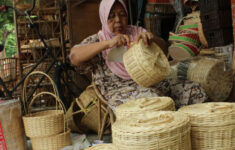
(103, 147)
(213, 125)
(144, 104)
(152, 130)
(146, 65)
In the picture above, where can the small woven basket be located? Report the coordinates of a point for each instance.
(143, 105)
(87, 97)
(153, 130)
(103, 147)
(213, 125)
(44, 123)
(56, 142)
(146, 65)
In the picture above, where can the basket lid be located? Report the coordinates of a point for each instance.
(143, 104)
(211, 114)
(103, 147)
(150, 121)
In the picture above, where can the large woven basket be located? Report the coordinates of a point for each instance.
(103, 147)
(209, 72)
(146, 65)
(143, 105)
(44, 123)
(213, 125)
(153, 130)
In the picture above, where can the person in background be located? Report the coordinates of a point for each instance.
(111, 78)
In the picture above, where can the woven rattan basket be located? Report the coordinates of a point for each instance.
(146, 65)
(55, 141)
(213, 125)
(103, 147)
(87, 96)
(44, 123)
(153, 130)
(209, 72)
(143, 105)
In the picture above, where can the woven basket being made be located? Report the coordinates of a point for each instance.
(103, 147)
(144, 104)
(209, 72)
(44, 123)
(146, 65)
(213, 125)
(153, 130)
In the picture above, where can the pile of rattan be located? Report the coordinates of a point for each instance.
(144, 104)
(46, 129)
(213, 125)
(209, 72)
(146, 65)
(103, 147)
(153, 130)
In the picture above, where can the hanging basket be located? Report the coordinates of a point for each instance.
(103, 147)
(146, 65)
(44, 123)
(213, 125)
(152, 130)
(144, 104)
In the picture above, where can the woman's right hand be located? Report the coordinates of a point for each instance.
(119, 40)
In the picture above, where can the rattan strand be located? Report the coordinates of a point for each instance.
(153, 130)
(103, 147)
(213, 125)
(144, 104)
(146, 65)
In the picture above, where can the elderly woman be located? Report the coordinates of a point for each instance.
(112, 78)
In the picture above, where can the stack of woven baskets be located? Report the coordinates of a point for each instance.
(103, 147)
(152, 130)
(213, 125)
(146, 65)
(143, 105)
(188, 38)
(47, 129)
(209, 72)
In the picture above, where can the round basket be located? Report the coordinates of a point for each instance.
(152, 130)
(209, 72)
(44, 123)
(144, 104)
(213, 125)
(146, 65)
(179, 51)
(103, 147)
(190, 38)
(56, 142)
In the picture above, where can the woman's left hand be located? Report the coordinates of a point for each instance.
(147, 37)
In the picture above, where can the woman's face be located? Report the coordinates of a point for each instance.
(118, 19)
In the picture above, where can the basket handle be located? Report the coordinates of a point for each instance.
(218, 107)
(155, 120)
(147, 102)
(26, 83)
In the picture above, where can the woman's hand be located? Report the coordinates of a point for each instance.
(119, 40)
(147, 37)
